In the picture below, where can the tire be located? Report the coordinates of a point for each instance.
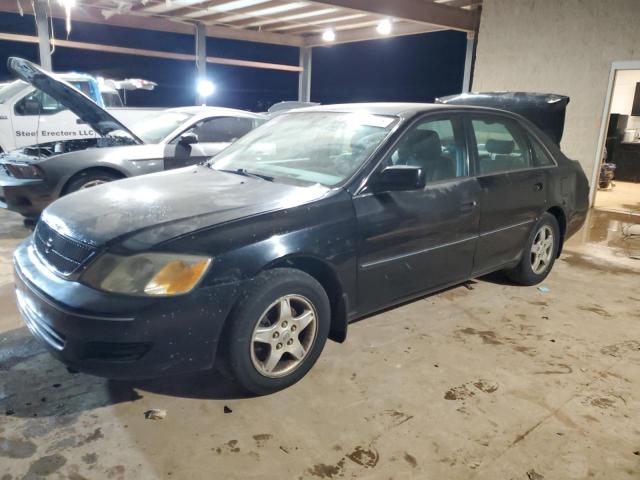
(528, 272)
(260, 330)
(30, 222)
(89, 179)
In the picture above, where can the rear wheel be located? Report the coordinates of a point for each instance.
(90, 179)
(539, 254)
(278, 330)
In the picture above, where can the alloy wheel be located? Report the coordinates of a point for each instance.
(92, 183)
(284, 336)
(542, 250)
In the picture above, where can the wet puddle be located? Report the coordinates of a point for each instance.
(618, 231)
(12, 226)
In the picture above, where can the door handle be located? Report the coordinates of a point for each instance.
(468, 206)
(538, 187)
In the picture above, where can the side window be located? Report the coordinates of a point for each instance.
(222, 129)
(541, 157)
(38, 103)
(437, 146)
(502, 146)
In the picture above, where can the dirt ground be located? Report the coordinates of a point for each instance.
(483, 381)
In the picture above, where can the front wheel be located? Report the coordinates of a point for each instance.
(277, 330)
(539, 253)
(89, 179)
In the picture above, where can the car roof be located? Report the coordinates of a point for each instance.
(396, 109)
(215, 112)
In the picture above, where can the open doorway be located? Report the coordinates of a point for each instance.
(616, 184)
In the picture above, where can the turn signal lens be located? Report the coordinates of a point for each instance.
(176, 277)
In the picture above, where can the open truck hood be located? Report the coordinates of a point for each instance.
(545, 110)
(76, 101)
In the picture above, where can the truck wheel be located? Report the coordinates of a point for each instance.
(278, 330)
(89, 179)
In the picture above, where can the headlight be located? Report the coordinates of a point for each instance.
(24, 171)
(160, 274)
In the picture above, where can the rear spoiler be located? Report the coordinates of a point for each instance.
(545, 110)
(285, 106)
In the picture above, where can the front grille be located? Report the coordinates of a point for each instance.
(62, 253)
(4, 170)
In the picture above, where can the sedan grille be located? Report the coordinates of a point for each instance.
(63, 254)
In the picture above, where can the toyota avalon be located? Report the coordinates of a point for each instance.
(317, 218)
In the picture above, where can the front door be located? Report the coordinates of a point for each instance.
(420, 240)
(513, 190)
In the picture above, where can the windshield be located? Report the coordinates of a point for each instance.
(311, 147)
(155, 128)
(8, 90)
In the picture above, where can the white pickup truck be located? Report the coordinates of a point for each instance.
(30, 117)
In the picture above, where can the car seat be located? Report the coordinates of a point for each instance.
(423, 148)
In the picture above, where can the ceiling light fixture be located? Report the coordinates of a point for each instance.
(205, 88)
(329, 36)
(384, 27)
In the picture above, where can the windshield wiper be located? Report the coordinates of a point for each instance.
(245, 173)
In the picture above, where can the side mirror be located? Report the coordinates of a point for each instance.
(398, 178)
(30, 107)
(188, 139)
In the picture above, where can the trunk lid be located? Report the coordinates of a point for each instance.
(546, 110)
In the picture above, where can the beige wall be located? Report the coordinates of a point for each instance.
(559, 46)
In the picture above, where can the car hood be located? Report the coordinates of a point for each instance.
(106, 146)
(76, 101)
(143, 211)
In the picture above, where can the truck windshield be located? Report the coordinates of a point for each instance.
(11, 89)
(307, 147)
(156, 127)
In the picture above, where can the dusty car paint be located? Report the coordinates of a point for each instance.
(369, 250)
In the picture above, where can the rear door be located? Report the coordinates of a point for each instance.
(513, 189)
(214, 135)
(419, 240)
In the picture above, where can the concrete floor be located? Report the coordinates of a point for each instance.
(623, 197)
(488, 381)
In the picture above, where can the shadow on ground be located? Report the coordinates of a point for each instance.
(34, 384)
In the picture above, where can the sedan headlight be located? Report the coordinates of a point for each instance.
(157, 274)
(24, 171)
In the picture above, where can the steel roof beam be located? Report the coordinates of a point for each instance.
(87, 13)
(443, 16)
(370, 33)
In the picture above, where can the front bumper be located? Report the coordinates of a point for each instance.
(118, 336)
(26, 196)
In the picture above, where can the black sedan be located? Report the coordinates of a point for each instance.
(313, 220)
